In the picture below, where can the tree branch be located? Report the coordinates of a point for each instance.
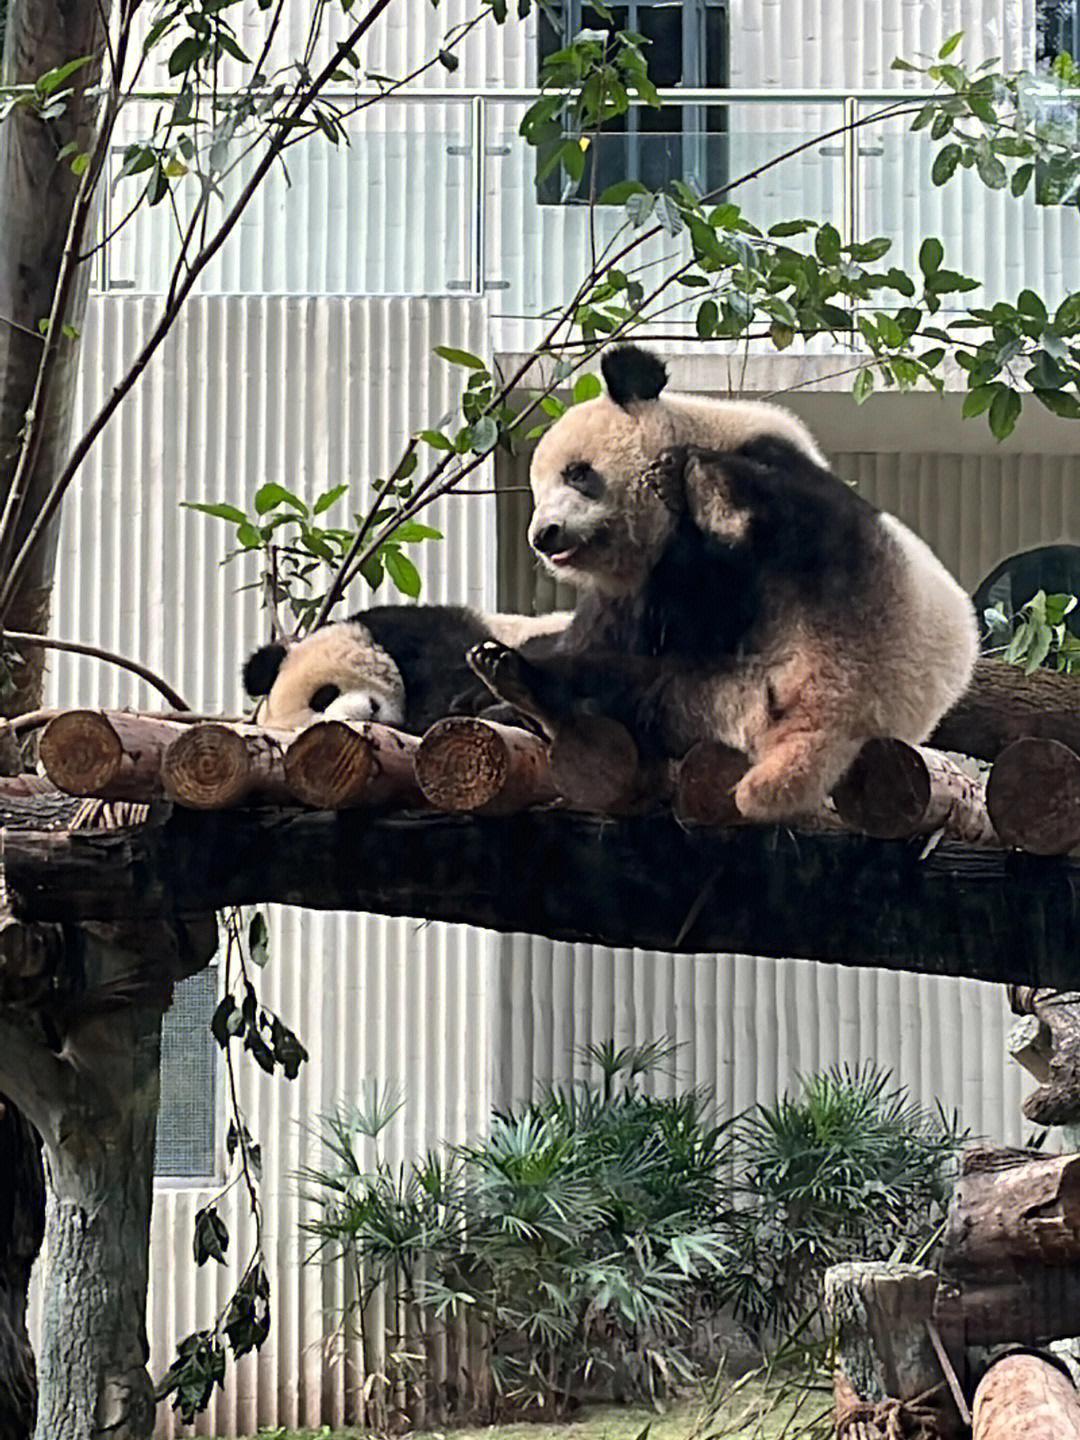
(95, 652)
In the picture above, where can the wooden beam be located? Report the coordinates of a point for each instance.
(1003, 704)
(644, 881)
(339, 764)
(464, 764)
(211, 766)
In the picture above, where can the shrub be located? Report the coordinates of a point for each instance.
(848, 1168)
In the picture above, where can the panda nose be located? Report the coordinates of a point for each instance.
(550, 539)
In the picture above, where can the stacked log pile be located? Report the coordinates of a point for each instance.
(1029, 800)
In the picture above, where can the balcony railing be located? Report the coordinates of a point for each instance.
(436, 194)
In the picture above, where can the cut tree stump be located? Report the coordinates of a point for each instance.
(215, 766)
(881, 1315)
(1034, 796)
(341, 764)
(110, 757)
(466, 765)
(1046, 1041)
(1025, 1397)
(895, 791)
(1002, 704)
(705, 784)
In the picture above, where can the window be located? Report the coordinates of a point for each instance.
(187, 1119)
(688, 46)
(1010, 585)
(1057, 29)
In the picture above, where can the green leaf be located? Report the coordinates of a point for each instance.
(864, 385)
(708, 317)
(436, 439)
(220, 511)
(269, 496)
(259, 939)
(1022, 178)
(587, 387)
(328, 498)
(827, 244)
(945, 163)
(52, 80)
(483, 434)
(950, 45)
(991, 171)
(790, 227)
(402, 572)
(1060, 402)
(1004, 413)
(211, 1237)
(185, 55)
(620, 193)
(1040, 648)
(411, 532)
(249, 536)
(979, 399)
(448, 60)
(931, 254)
(458, 357)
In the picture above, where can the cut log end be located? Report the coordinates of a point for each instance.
(81, 752)
(462, 764)
(331, 765)
(705, 786)
(595, 765)
(208, 768)
(1034, 797)
(886, 792)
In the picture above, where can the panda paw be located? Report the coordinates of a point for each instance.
(767, 800)
(504, 673)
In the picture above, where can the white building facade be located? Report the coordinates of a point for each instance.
(305, 357)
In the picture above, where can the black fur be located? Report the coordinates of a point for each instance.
(261, 669)
(631, 373)
(705, 600)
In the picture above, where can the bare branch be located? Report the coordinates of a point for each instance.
(95, 652)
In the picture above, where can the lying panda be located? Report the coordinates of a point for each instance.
(402, 665)
(731, 588)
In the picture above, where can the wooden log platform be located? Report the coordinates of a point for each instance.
(643, 881)
(111, 756)
(215, 766)
(1034, 796)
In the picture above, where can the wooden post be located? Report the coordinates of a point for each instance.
(880, 1314)
(1026, 1397)
(112, 757)
(1034, 796)
(339, 764)
(465, 764)
(895, 790)
(212, 767)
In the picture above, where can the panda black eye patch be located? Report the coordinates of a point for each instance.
(324, 697)
(584, 479)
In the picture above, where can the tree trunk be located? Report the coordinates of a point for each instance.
(37, 195)
(94, 1350)
(1002, 704)
(22, 1209)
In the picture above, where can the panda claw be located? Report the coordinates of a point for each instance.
(503, 672)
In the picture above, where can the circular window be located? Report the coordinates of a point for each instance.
(1010, 585)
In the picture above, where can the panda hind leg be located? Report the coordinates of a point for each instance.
(521, 686)
(804, 752)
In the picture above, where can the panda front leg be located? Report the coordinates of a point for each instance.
(525, 688)
(810, 740)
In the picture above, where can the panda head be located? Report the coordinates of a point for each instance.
(338, 673)
(600, 521)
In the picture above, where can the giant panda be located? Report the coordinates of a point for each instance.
(400, 665)
(731, 588)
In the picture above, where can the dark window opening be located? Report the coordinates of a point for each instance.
(688, 47)
(1054, 569)
(1057, 28)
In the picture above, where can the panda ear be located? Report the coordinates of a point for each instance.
(631, 373)
(261, 668)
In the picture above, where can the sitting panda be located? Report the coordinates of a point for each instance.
(401, 665)
(730, 588)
